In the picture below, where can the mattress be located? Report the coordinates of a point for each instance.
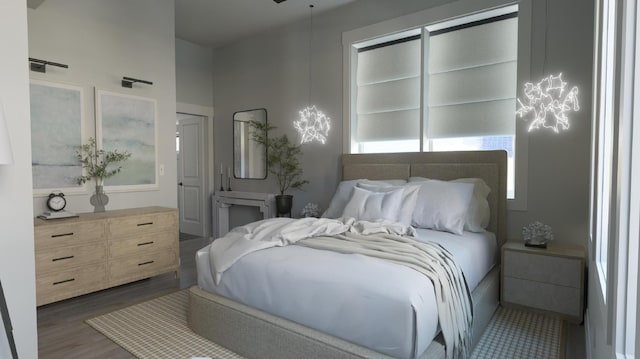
(373, 303)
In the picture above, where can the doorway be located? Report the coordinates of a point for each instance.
(191, 154)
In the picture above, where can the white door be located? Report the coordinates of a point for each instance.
(191, 173)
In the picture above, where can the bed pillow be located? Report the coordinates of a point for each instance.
(408, 201)
(373, 206)
(343, 194)
(478, 214)
(442, 205)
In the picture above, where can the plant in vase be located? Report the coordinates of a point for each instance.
(283, 161)
(99, 165)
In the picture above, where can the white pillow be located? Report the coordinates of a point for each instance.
(343, 194)
(442, 205)
(373, 206)
(478, 214)
(408, 201)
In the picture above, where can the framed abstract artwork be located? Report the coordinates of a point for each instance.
(128, 123)
(56, 133)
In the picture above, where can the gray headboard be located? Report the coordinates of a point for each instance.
(491, 166)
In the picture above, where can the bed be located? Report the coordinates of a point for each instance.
(251, 329)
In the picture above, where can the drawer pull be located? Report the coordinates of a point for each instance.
(62, 235)
(64, 281)
(145, 224)
(149, 262)
(145, 243)
(61, 258)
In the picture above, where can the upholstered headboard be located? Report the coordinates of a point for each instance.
(491, 166)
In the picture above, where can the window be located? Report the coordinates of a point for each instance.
(447, 85)
(603, 143)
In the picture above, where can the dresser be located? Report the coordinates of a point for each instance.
(95, 251)
(549, 280)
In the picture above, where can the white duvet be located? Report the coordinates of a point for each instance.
(279, 232)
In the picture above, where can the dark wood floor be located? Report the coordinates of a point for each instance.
(62, 332)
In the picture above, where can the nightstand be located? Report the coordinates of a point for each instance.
(548, 280)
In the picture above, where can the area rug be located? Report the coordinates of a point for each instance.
(520, 334)
(158, 329)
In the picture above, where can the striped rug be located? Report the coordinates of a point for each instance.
(519, 334)
(158, 329)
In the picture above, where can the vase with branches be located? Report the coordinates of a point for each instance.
(283, 161)
(99, 165)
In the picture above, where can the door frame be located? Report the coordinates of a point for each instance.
(207, 113)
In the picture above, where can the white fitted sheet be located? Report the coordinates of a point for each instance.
(380, 305)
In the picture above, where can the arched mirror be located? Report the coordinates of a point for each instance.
(249, 157)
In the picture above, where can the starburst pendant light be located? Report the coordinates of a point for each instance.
(313, 124)
(548, 102)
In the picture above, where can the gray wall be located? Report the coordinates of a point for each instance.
(102, 41)
(193, 74)
(270, 71)
(17, 262)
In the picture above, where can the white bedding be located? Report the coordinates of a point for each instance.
(383, 306)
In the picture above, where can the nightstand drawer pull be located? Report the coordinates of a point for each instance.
(145, 243)
(61, 258)
(62, 235)
(149, 262)
(145, 224)
(64, 281)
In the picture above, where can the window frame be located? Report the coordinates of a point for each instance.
(418, 22)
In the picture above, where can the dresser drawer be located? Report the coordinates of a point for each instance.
(141, 224)
(58, 259)
(68, 234)
(543, 268)
(142, 266)
(549, 297)
(66, 284)
(140, 245)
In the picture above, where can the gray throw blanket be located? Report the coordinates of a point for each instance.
(455, 311)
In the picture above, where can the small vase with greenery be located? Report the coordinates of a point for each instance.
(99, 165)
(283, 161)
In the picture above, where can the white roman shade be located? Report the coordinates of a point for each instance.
(472, 80)
(388, 92)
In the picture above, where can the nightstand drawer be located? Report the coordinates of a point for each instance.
(543, 268)
(549, 297)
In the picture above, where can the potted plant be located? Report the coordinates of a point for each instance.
(99, 165)
(283, 161)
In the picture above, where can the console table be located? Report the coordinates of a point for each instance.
(224, 199)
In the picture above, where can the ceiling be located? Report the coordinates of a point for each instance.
(214, 23)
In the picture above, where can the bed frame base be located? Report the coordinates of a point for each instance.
(256, 334)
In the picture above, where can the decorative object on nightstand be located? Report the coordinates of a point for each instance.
(546, 280)
(283, 161)
(537, 234)
(95, 162)
(310, 210)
